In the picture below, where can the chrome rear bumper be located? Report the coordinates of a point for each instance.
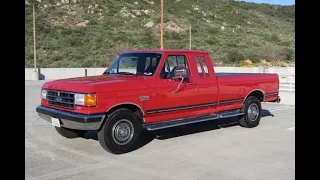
(278, 99)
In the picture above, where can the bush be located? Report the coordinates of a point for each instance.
(290, 55)
(254, 58)
(235, 57)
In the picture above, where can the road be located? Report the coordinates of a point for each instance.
(210, 150)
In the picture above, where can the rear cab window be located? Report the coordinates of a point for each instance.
(199, 66)
(205, 67)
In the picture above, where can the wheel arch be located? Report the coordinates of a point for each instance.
(135, 108)
(259, 93)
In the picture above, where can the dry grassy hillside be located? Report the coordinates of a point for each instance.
(83, 33)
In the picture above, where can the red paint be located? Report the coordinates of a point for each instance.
(116, 89)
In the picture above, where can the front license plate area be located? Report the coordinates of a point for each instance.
(55, 122)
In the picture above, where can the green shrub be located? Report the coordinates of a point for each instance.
(235, 57)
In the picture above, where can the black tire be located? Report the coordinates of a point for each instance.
(125, 121)
(254, 120)
(70, 133)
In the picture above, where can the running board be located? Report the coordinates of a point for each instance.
(191, 120)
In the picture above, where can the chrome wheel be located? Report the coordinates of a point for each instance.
(122, 132)
(253, 112)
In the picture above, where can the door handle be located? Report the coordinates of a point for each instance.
(192, 83)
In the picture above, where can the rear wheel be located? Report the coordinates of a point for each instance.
(252, 110)
(70, 133)
(121, 131)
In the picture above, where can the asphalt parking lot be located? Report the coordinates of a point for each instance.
(210, 150)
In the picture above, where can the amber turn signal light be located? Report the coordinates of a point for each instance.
(90, 100)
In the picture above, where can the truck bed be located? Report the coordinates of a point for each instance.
(221, 74)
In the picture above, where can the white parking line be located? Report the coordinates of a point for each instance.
(274, 108)
(280, 109)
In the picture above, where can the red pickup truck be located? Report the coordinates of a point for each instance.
(153, 89)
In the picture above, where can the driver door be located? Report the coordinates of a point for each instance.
(172, 102)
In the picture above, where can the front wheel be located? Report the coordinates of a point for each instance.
(252, 109)
(121, 131)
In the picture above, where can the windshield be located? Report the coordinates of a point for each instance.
(135, 64)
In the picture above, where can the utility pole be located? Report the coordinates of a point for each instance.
(161, 26)
(35, 73)
(34, 41)
(190, 36)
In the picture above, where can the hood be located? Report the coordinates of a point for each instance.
(100, 83)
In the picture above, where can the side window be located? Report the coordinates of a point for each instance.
(205, 67)
(170, 64)
(198, 66)
(181, 61)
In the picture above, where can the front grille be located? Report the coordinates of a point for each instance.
(61, 99)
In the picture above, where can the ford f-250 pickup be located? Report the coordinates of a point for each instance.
(153, 89)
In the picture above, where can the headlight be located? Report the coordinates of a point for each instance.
(43, 94)
(85, 99)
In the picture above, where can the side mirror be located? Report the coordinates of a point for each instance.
(180, 72)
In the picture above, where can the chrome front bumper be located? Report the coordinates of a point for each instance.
(71, 120)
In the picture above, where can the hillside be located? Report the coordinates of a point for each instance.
(80, 33)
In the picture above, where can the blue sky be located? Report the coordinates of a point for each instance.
(281, 2)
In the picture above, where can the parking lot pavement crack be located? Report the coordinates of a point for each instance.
(35, 121)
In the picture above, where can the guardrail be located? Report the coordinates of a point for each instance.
(286, 78)
(287, 83)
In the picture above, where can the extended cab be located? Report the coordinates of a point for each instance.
(153, 89)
